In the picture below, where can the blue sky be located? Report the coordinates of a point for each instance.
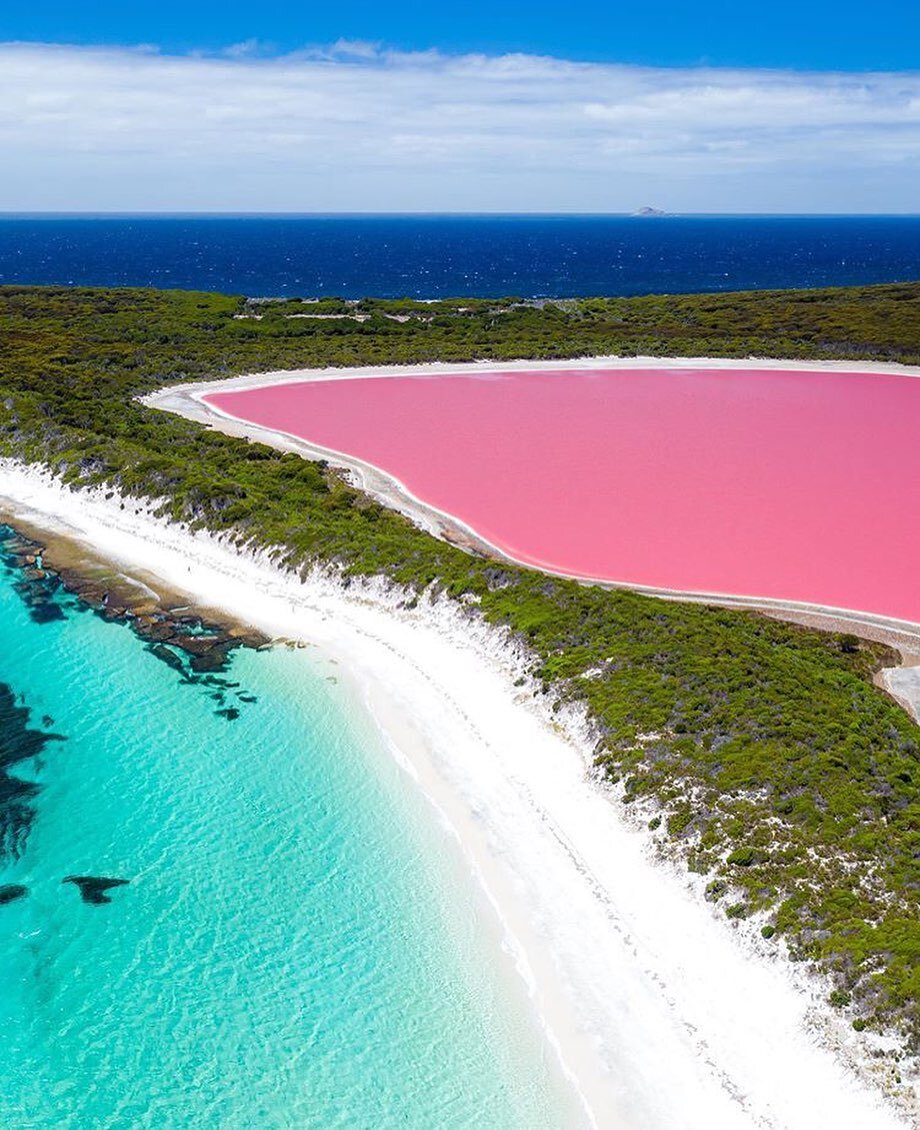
(850, 35)
(778, 107)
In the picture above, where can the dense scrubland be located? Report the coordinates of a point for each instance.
(759, 750)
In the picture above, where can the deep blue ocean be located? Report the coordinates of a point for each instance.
(443, 256)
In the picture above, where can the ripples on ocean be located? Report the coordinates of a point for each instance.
(297, 945)
(441, 256)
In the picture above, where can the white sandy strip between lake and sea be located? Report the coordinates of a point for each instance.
(662, 1014)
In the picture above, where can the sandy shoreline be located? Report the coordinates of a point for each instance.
(664, 1016)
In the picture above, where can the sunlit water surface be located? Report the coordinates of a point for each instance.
(299, 944)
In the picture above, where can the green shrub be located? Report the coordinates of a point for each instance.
(715, 890)
(679, 821)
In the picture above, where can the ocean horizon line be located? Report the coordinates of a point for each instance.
(6, 214)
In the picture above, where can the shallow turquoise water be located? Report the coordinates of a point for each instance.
(298, 946)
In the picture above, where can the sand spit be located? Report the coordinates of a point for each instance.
(663, 1015)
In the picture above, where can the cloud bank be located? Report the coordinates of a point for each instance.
(357, 128)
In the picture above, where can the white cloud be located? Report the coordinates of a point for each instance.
(356, 127)
(246, 49)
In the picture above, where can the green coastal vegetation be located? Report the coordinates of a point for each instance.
(761, 751)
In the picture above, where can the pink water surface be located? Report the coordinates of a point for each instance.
(794, 485)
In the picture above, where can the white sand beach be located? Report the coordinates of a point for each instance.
(663, 1014)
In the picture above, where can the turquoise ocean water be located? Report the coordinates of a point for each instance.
(298, 944)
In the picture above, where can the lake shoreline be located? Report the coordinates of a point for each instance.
(191, 400)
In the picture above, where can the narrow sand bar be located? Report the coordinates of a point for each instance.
(663, 1015)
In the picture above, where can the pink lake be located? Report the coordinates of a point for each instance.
(792, 485)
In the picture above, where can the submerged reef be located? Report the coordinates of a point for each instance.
(195, 647)
(19, 743)
(199, 650)
(93, 888)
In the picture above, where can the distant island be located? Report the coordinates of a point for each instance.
(647, 210)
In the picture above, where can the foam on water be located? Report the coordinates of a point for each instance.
(299, 944)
